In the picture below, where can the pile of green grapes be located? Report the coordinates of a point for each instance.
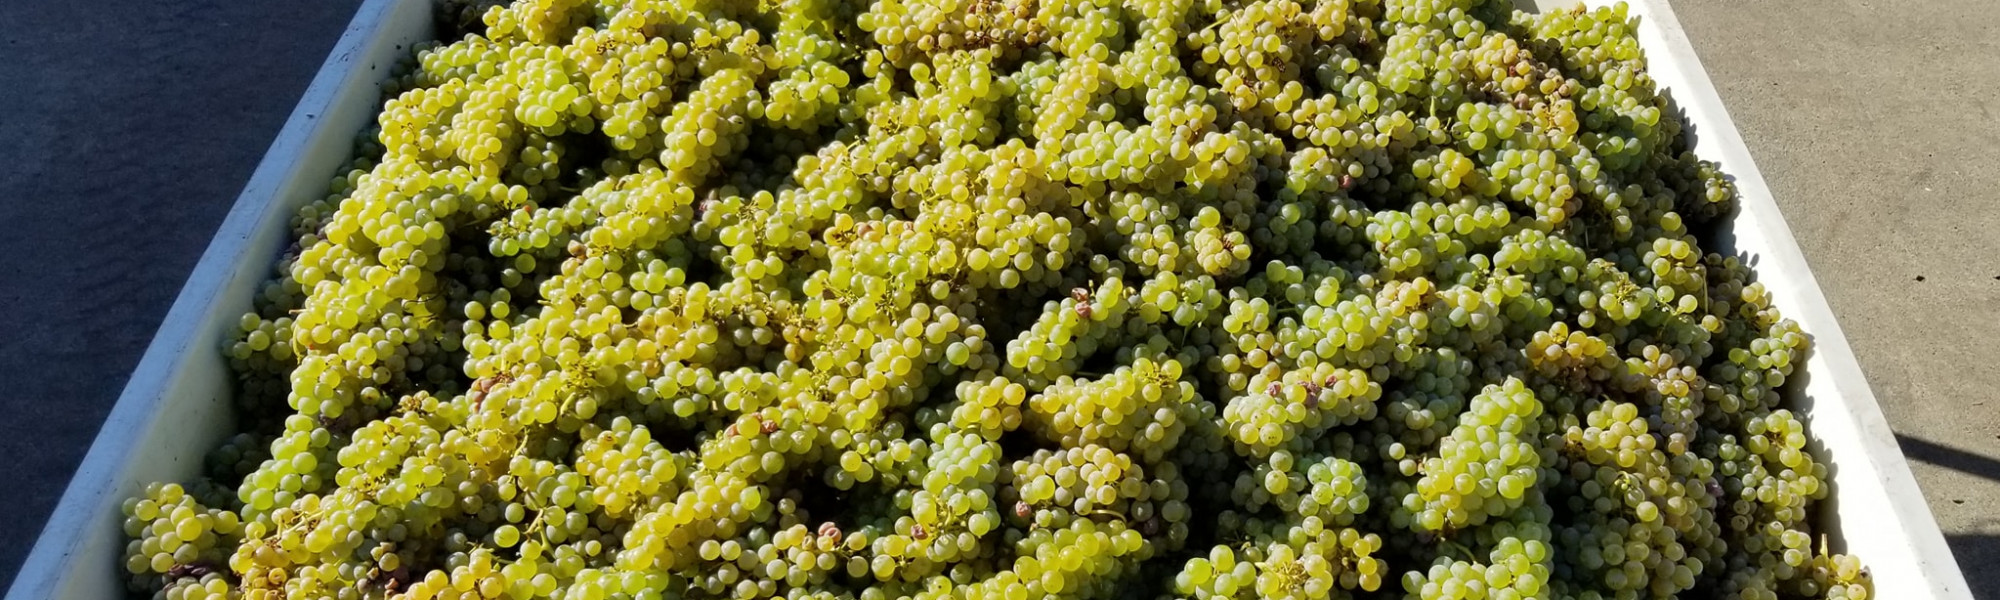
(1011, 299)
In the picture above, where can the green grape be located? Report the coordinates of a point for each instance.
(1134, 409)
(1485, 467)
(942, 299)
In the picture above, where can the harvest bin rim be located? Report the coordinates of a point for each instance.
(176, 405)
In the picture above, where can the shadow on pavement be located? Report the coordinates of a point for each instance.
(1973, 551)
(1948, 457)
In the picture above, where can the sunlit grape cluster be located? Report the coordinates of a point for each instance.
(1010, 299)
(175, 536)
(1485, 467)
(1137, 409)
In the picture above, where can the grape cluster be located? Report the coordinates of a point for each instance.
(1516, 567)
(871, 300)
(1293, 561)
(1137, 409)
(1648, 524)
(1485, 467)
(176, 536)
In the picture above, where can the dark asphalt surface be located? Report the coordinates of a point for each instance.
(126, 130)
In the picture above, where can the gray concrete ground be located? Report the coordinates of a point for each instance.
(1876, 122)
(126, 129)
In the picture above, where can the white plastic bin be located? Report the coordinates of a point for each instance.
(176, 406)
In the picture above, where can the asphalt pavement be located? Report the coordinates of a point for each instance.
(127, 129)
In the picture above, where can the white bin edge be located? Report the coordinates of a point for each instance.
(176, 407)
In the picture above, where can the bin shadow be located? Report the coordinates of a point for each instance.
(1984, 467)
(1973, 551)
